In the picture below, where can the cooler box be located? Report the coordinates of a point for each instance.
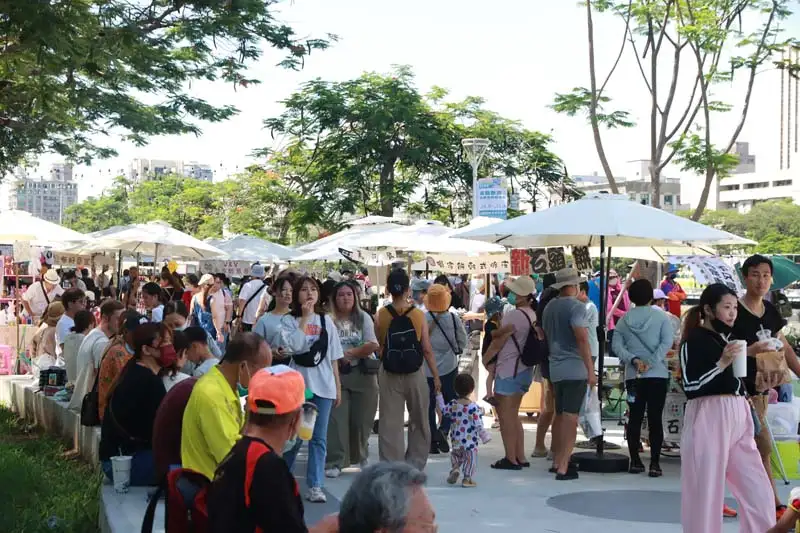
(6, 360)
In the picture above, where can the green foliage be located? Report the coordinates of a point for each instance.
(579, 100)
(74, 72)
(775, 225)
(693, 154)
(38, 484)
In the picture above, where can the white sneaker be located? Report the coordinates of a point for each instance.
(315, 495)
(333, 472)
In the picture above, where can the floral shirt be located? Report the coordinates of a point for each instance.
(466, 424)
(114, 360)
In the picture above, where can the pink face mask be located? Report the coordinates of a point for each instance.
(167, 355)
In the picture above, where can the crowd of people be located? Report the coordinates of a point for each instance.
(171, 361)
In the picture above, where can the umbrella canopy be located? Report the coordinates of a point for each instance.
(16, 225)
(253, 249)
(424, 236)
(343, 237)
(475, 223)
(619, 220)
(372, 220)
(784, 272)
(158, 239)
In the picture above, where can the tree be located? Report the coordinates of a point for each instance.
(72, 73)
(692, 37)
(367, 140)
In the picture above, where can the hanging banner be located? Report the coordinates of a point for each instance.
(22, 251)
(229, 268)
(556, 259)
(477, 265)
(370, 258)
(520, 262)
(583, 261)
(74, 260)
(539, 262)
(710, 269)
(492, 198)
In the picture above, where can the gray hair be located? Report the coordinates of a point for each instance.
(379, 498)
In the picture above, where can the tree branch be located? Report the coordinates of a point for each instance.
(621, 49)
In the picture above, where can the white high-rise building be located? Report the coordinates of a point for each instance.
(44, 198)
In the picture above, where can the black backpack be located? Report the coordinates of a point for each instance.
(535, 350)
(402, 351)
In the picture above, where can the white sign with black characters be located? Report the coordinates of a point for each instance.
(476, 265)
(710, 269)
(672, 418)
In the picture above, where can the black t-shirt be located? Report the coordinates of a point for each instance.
(275, 503)
(131, 411)
(746, 328)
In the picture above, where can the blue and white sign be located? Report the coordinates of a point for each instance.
(492, 198)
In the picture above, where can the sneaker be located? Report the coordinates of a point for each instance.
(315, 495)
(453, 477)
(729, 512)
(468, 483)
(333, 472)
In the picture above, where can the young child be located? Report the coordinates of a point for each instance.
(465, 432)
(494, 316)
(788, 523)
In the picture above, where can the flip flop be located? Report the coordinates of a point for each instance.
(505, 464)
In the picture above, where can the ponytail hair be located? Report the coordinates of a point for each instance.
(712, 295)
(692, 319)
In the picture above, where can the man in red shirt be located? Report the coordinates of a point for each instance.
(167, 427)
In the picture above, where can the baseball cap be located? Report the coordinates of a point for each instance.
(276, 390)
(658, 294)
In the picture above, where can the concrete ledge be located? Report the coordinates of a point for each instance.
(123, 513)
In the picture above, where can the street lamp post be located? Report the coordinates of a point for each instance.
(475, 149)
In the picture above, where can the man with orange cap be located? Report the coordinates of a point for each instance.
(253, 489)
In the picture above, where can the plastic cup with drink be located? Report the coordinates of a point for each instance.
(121, 472)
(307, 420)
(740, 362)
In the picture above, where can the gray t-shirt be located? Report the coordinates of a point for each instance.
(560, 316)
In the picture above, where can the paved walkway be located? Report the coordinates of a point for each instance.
(532, 501)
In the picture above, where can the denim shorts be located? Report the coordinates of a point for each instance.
(514, 385)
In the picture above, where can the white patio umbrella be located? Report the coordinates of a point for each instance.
(602, 220)
(424, 236)
(16, 225)
(253, 249)
(344, 237)
(157, 238)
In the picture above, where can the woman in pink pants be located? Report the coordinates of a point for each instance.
(717, 444)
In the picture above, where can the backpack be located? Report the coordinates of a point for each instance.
(316, 352)
(535, 350)
(402, 352)
(186, 510)
(187, 491)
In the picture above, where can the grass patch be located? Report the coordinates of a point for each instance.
(40, 489)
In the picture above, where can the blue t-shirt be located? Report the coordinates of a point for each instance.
(560, 316)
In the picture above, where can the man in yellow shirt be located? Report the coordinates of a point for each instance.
(213, 418)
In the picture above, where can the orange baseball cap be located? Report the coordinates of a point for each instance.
(278, 389)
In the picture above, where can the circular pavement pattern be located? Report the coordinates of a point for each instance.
(654, 506)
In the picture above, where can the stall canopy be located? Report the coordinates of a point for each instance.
(425, 236)
(327, 248)
(615, 218)
(18, 226)
(157, 239)
(253, 249)
(603, 220)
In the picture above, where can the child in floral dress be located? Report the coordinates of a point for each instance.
(466, 430)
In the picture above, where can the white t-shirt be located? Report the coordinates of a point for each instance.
(207, 365)
(157, 314)
(89, 355)
(35, 296)
(252, 287)
(65, 324)
(171, 381)
(319, 379)
(478, 301)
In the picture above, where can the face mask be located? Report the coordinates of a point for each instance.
(613, 282)
(512, 298)
(180, 328)
(721, 327)
(242, 390)
(167, 356)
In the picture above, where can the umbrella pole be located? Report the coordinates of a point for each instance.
(598, 460)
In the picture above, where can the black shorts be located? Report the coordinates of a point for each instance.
(569, 395)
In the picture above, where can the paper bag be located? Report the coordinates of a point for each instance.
(772, 370)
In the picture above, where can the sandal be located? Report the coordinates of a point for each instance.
(655, 471)
(523, 463)
(505, 464)
(636, 467)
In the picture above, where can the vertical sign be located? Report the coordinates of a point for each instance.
(492, 198)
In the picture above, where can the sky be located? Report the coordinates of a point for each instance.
(516, 54)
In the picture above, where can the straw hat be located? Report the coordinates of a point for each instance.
(566, 277)
(51, 276)
(438, 299)
(53, 313)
